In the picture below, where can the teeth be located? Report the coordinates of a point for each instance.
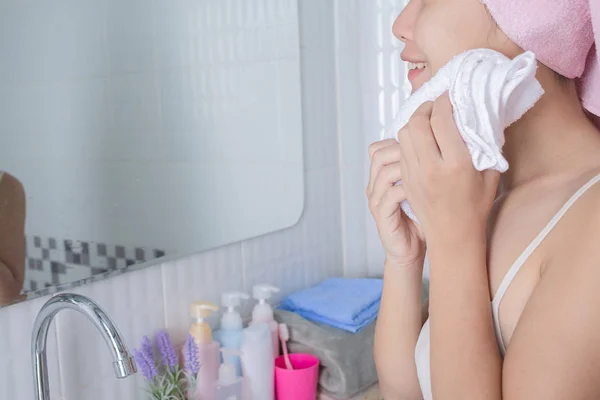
(412, 66)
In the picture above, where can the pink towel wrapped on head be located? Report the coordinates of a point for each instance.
(563, 34)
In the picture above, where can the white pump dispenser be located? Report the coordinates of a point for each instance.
(231, 319)
(208, 349)
(229, 384)
(263, 313)
(227, 373)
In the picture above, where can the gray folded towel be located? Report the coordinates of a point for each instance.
(347, 360)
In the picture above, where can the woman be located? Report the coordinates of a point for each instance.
(12, 238)
(542, 338)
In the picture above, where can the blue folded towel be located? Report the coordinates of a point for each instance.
(343, 303)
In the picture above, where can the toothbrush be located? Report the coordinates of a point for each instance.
(284, 336)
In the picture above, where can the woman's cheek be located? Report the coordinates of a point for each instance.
(430, 37)
(442, 32)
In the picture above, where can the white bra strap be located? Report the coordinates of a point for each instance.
(514, 269)
(512, 272)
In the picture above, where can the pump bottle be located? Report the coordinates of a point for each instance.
(264, 313)
(230, 334)
(208, 350)
(229, 386)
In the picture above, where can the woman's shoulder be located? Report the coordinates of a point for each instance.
(586, 202)
(578, 233)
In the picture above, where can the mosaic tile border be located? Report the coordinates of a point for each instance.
(53, 262)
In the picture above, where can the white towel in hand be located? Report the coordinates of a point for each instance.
(488, 92)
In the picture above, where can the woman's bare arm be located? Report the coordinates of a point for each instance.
(12, 238)
(398, 326)
(465, 360)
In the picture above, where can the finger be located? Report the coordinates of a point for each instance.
(374, 147)
(447, 136)
(382, 157)
(409, 156)
(421, 134)
(390, 202)
(387, 177)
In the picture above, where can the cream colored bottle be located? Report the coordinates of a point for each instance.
(208, 350)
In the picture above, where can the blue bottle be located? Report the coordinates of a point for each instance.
(230, 334)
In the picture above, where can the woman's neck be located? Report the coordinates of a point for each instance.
(555, 137)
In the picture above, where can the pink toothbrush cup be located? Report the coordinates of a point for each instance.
(299, 383)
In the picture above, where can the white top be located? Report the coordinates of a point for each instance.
(422, 349)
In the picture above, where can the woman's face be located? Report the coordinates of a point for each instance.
(436, 30)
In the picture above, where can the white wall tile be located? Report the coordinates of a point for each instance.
(354, 219)
(348, 74)
(318, 84)
(382, 93)
(134, 301)
(322, 219)
(353, 28)
(322, 263)
(287, 274)
(16, 371)
(202, 277)
(275, 246)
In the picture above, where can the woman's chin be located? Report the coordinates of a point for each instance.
(417, 83)
(415, 87)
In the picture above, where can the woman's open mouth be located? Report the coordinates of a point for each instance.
(415, 69)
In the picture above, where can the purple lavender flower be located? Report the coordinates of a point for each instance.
(167, 351)
(145, 359)
(147, 347)
(146, 364)
(190, 354)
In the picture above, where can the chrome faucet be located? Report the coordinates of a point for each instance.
(124, 364)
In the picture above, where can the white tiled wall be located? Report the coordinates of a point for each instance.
(334, 236)
(371, 88)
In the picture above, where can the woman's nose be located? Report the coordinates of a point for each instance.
(403, 26)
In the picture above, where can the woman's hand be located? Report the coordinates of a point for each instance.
(402, 240)
(450, 198)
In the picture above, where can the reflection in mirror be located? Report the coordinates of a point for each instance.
(131, 130)
(12, 231)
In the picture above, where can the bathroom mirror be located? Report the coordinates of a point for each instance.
(139, 129)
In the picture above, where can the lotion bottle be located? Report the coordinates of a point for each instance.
(263, 313)
(230, 334)
(257, 362)
(208, 350)
(229, 385)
